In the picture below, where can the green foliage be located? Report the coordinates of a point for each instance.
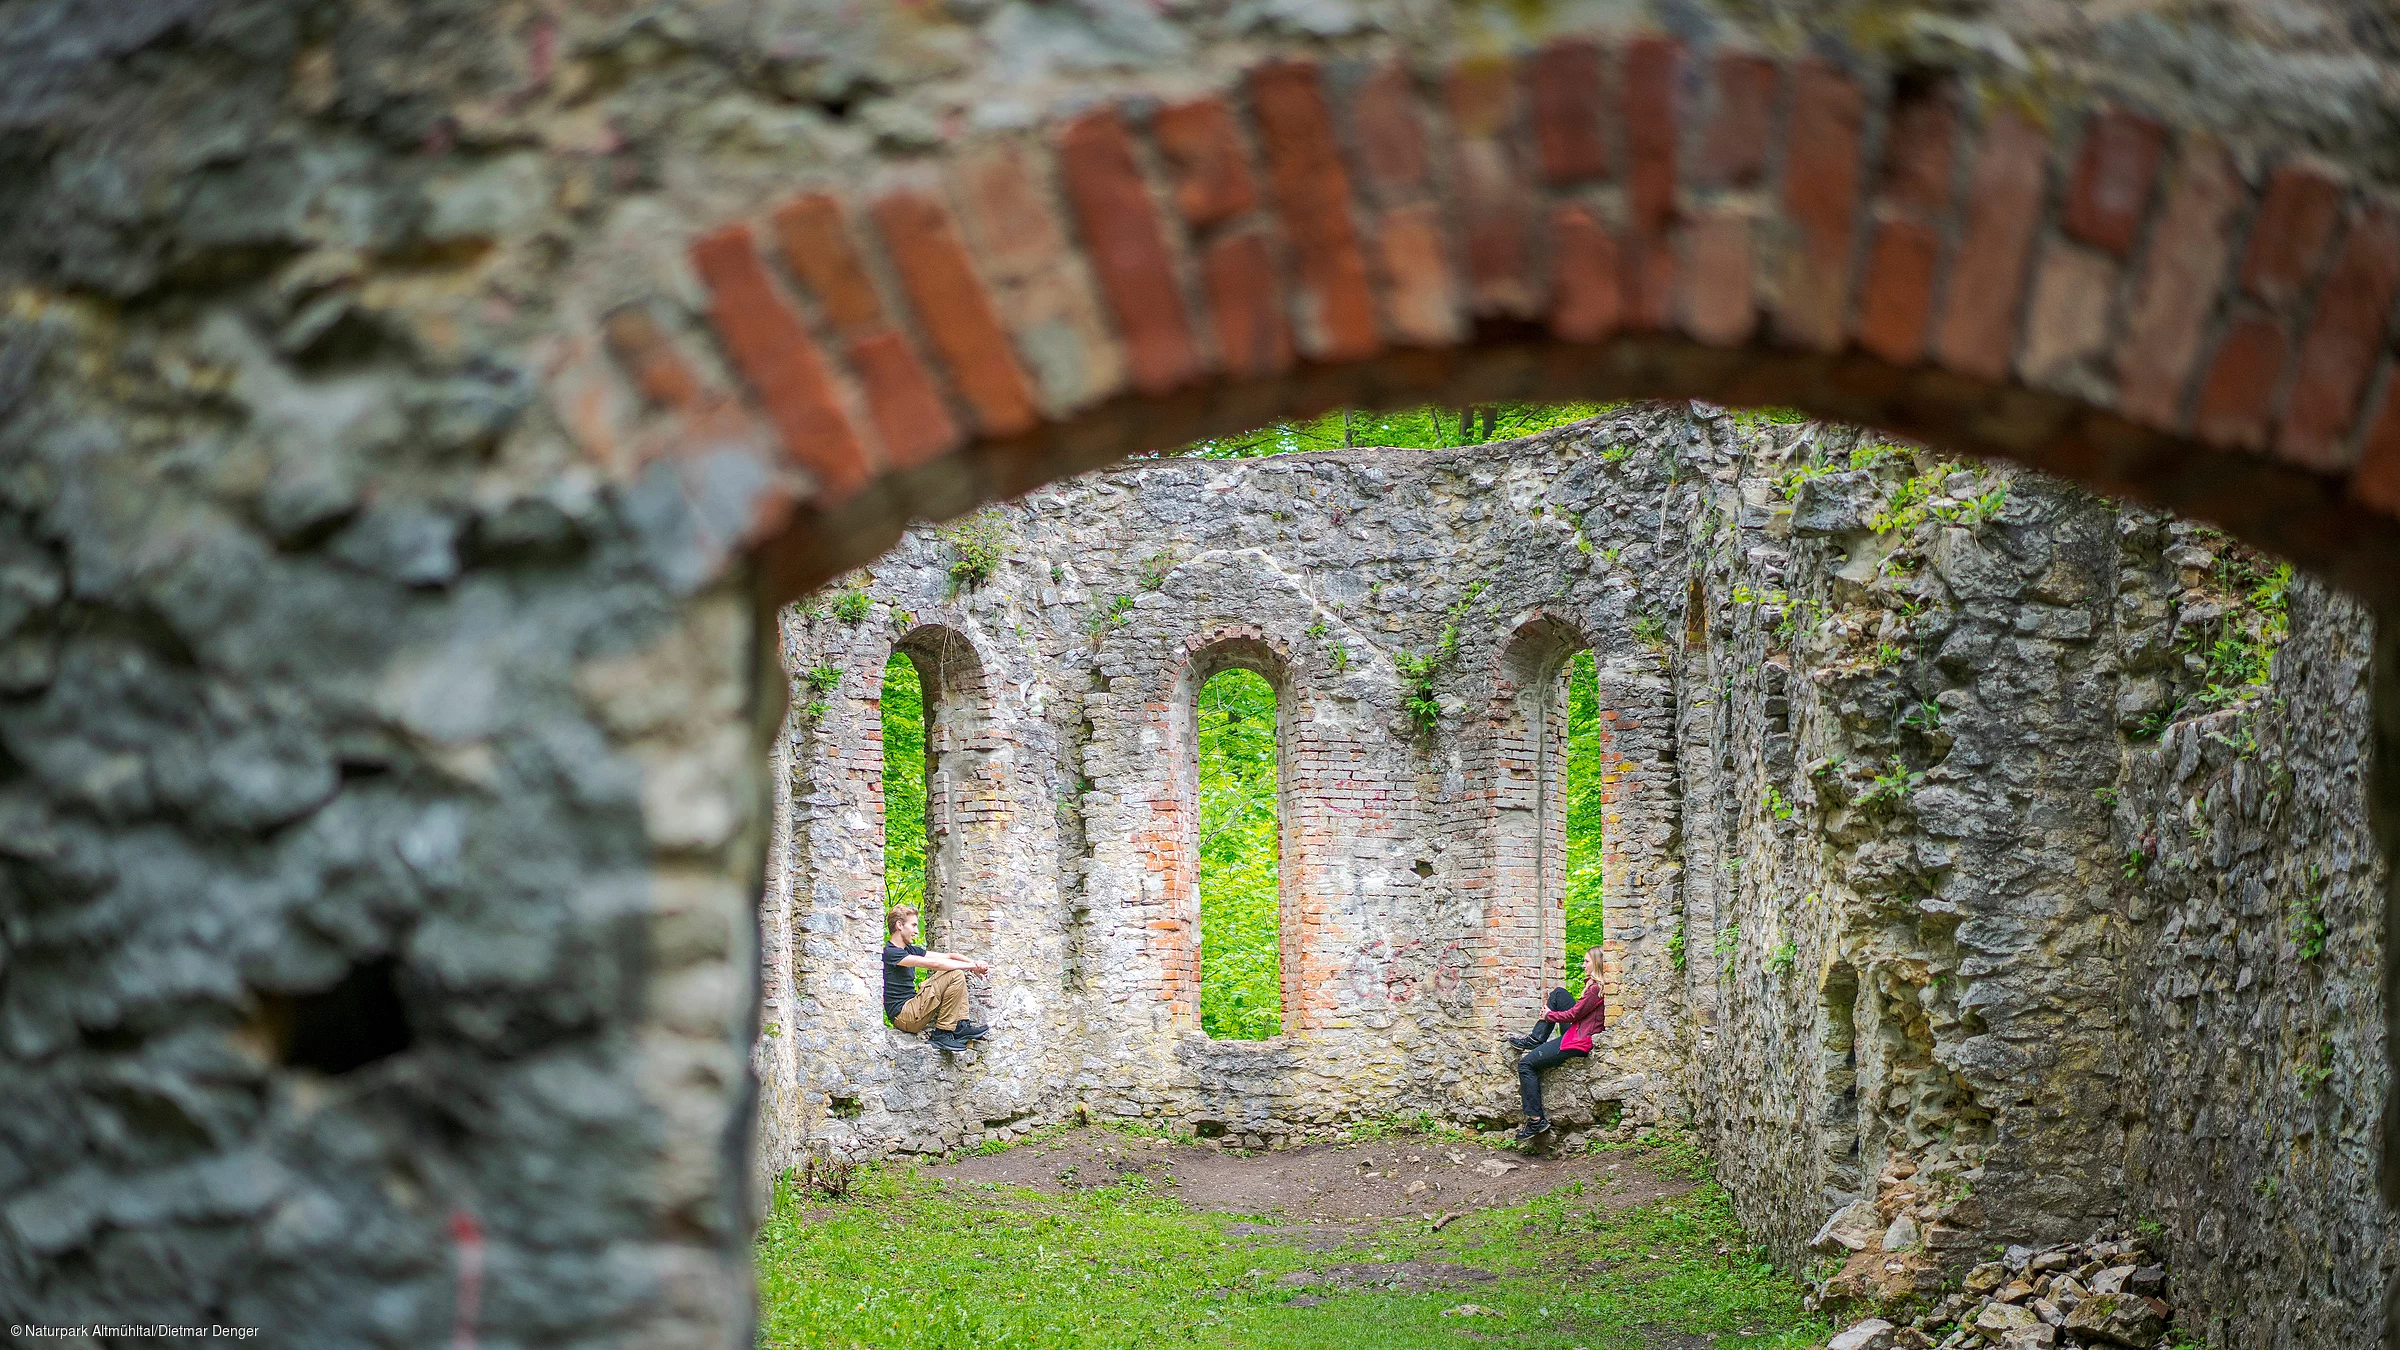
(1892, 785)
(1785, 955)
(980, 544)
(814, 710)
(1729, 941)
(1155, 569)
(1116, 613)
(1750, 419)
(1584, 788)
(1615, 453)
(2309, 928)
(1423, 428)
(1651, 631)
(822, 679)
(853, 606)
(2240, 645)
(1925, 717)
(2136, 862)
(903, 783)
(1676, 956)
(1241, 959)
(1418, 669)
(2312, 1075)
(1776, 804)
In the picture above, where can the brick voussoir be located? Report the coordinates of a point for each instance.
(1311, 188)
(955, 310)
(910, 412)
(1566, 84)
(1410, 207)
(2109, 191)
(780, 361)
(1822, 174)
(1203, 150)
(1985, 287)
(2344, 339)
(1491, 200)
(1123, 239)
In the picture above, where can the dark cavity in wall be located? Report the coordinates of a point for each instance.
(358, 1022)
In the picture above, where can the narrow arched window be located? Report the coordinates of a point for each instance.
(1550, 794)
(904, 774)
(1240, 826)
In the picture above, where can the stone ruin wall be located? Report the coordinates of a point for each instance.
(1977, 979)
(1411, 932)
(2255, 1074)
(1827, 979)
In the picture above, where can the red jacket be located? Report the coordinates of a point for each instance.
(1583, 1020)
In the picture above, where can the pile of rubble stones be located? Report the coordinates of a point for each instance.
(2104, 1294)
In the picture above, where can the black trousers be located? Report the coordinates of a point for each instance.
(1548, 1053)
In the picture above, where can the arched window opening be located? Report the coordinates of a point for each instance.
(1550, 794)
(1584, 799)
(1240, 853)
(905, 771)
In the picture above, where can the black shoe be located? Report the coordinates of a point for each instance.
(1527, 1041)
(949, 1042)
(969, 1030)
(1532, 1129)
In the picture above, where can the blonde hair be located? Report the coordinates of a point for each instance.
(892, 917)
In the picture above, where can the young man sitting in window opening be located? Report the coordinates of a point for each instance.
(942, 1003)
(1582, 1019)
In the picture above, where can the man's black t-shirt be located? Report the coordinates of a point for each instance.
(899, 981)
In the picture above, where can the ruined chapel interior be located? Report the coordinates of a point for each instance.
(467, 475)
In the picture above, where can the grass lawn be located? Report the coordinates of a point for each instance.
(911, 1261)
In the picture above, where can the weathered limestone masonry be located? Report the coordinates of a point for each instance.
(1421, 872)
(2256, 1051)
(1952, 898)
(409, 411)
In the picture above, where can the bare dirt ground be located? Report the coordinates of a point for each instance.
(1311, 1190)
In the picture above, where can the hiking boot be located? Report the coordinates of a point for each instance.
(1527, 1041)
(1532, 1129)
(948, 1042)
(970, 1030)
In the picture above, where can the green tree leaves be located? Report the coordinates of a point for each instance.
(1241, 957)
(903, 784)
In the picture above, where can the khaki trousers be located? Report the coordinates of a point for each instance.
(940, 1001)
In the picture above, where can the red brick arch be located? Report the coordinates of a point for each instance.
(2143, 308)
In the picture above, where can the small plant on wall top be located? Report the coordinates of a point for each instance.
(980, 545)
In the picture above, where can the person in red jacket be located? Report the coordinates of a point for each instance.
(1581, 1018)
